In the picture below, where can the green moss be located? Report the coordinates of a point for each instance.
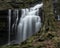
(22, 4)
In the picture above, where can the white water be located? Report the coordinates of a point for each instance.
(9, 26)
(30, 23)
(58, 17)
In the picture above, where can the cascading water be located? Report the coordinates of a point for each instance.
(14, 25)
(30, 23)
(9, 25)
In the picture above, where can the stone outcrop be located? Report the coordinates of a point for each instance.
(11, 4)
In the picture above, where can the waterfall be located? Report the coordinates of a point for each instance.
(12, 26)
(58, 17)
(30, 23)
(9, 25)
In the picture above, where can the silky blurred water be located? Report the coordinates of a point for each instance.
(30, 23)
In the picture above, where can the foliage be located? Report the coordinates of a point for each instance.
(10, 4)
(48, 37)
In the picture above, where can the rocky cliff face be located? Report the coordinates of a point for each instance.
(19, 1)
(11, 4)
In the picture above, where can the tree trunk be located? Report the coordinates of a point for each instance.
(48, 15)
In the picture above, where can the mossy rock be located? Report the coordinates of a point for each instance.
(12, 4)
(56, 41)
(5, 6)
